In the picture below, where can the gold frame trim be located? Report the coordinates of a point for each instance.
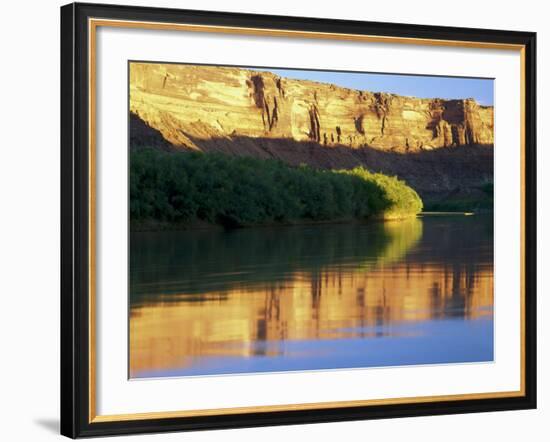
(93, 24)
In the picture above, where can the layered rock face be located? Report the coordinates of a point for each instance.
(442, 148)
(190, 104)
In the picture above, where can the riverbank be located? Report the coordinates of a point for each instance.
(182, 190)
(161, 226)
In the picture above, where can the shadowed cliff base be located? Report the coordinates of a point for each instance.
(452, 178)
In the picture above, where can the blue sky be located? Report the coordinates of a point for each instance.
(409, 85)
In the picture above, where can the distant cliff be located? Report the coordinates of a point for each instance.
(244, 112)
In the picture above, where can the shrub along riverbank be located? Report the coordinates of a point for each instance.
(185, 188)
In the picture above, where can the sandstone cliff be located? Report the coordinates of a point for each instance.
(245, 112)
(187, 103)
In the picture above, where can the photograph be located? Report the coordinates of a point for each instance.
(297, 219)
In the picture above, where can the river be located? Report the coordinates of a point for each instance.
(316, 297)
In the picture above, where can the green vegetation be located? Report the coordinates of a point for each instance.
(481, 200)
(180, 188)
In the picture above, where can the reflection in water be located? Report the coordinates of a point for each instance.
(311, 297)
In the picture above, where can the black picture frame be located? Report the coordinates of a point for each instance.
(75, 219)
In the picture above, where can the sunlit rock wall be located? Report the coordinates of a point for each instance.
(188, 106)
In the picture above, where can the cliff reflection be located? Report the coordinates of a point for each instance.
(306, 297)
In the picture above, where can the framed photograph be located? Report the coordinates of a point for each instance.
(275, 220)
